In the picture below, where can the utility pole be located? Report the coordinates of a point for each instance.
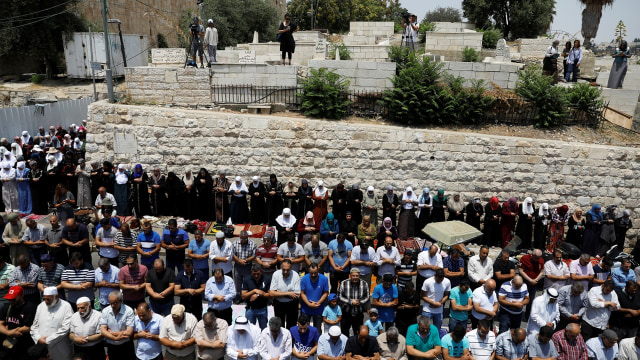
(107, 52)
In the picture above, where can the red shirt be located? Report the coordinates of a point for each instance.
(137, 277)
(531, 268)
(267, 255)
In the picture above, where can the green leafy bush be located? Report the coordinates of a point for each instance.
(162, 41)
(471, 103)
(37, 78)
(323, 95)
(402, 56)
(470, 55)
(345, 54)
(423, 27)
(490, 38)
(550, 101)
(584, 96)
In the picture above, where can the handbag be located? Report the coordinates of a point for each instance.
(278, 37)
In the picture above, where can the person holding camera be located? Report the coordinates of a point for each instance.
(211, 40)
(197, 32)
(285, 32)
(410, 37)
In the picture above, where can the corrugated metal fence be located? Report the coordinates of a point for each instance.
(14, 120)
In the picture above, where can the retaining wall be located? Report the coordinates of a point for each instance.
(362, 75)
(503, 75)
(453, 27)
(452, 41)
(371, 28)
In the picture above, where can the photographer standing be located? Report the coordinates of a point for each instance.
(197, 32)
(287, 43)
(411, 31)
(211, 40)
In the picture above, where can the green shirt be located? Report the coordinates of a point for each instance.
(5, 275)
(462, 299)
(414, 339)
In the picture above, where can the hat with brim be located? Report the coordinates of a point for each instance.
(14, 292)
(52, 150)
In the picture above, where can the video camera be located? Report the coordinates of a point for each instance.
(407, 17)
(194, 27)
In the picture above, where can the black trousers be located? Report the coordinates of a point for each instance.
(91, 352)
(589, 331)
(124, 351)
(225, 314)
(287, 312)
(351, 321)
(336, 278)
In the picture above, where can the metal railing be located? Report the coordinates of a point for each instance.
(518, 111)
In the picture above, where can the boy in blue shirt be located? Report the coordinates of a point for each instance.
(332, 314)
(374, 324)
(455, 344)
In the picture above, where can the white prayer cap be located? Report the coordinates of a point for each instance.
(370, 188)
(83, 300)
(220, 235)
(210, 21)
(335, 331)
(51, 290)
(255, 178)
(241, 323)
(286, 211)
(25, 133)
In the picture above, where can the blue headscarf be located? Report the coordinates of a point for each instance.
(596, 216)
(331, 224)
(138, 171)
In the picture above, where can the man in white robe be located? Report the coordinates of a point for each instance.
(243, 339)
(51, 325)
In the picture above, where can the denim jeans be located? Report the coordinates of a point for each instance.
(162, 309)
(453, 322)
(257, 314)
(436, 319)
(508, 321)
(572, 69)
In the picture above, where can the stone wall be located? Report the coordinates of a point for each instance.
(503, 75)
(371, 28)
(378, 53)
(362, 75)
(294, 148)
(452, 41)
(453, 27)
(534, 48)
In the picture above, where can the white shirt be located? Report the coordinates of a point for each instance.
(597, 315)
(435, 292)
(356, 254)
(54, 323)
(109, 196)
(580, 270)
(628, 349)
(179, 332)
(86, 327)
(478, 270)
(382, 253)
(292, 283)
(211, 36)
(226, 251)
(596, 349)
(481, 349)
(280, 348)
(551, 268)
(486, 302)
(542, 312)
(425, 259)
(249, 342)
(288, 253)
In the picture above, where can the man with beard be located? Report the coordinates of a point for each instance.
(116, 326)
(51, 325)
(85, 332)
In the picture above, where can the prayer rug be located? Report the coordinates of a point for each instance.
(211, 230)
(240, 227)
(124, 219)
(34, 217)
(257, 231)
(407, 244)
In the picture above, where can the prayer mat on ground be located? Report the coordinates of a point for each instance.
(407, 244)
(240, 227)
(124, 219)
(257, 231)
(34, 217)
(203, 226)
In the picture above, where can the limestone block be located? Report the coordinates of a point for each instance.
(460, 66)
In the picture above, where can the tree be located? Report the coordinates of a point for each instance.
(439, 14)
(591, 16)
(35, 28)
(515, 18)
(621, 32)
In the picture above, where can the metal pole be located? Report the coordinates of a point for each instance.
(107, 53)
(93, 73)
(124, 56)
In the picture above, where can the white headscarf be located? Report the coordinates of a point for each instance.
(66, 140)
(11, 158)
(51, 166)
(6, 171)
(77, 144)
(20, 166)
(25, 137)
(320, 190)
(527, 209)
(543, 312)
(288, 221)
(255, 181)
(121, 176)
(411, 197)
(16, 150)
(542, 211)
(188, 179)
(456, 205)
(371, 191)
(235, 186)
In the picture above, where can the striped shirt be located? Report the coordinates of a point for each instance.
(125, 241)
(481, 349)
(30, 275)
(513, 295)
(410, 267)
(267, 256)
(78, 276)
(52, 278)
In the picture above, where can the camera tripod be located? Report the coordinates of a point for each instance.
(188, 57)
(407, 37)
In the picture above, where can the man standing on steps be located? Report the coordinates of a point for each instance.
(197, 32)
(211, 41)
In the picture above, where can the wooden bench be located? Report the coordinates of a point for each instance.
(259, 109)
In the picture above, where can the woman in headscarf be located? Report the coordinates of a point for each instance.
(39, 191)
(526, 217)
(190, 195)
(274, 190)
(474, 212)
(370, 203)
(329, 228)
(619, 67)
(390, 203)
(425, 203)
(26, 139)
(239, 209)
(221, 192)
(307, 226)
(84, 185)
(68, 172)
(204, 186)
(16, 151)
(67, 142)
(559, 217)
(508, 220)
(608, 233)
(24, 190)
(175, 200)
(121, 190)
(286, 225)
(52, 171)
(339, 202)
(290, 197)
(577, 224)
(320, 207)
(107, 176)
(94, 175)
(440, 205)
(367, 231)
(622, 225)
(354, 202)
(406, 224)
(257, 193)
(140, 192)
(305, 199)
(456, 209)
(541, 228)
(544, 310)
(9, 187)
(64, 202)
(491, 230)
(592, 230)
(158, 195)
(8, 156)
(386, 229)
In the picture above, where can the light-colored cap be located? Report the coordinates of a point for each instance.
(82, 300)
(552, 293)
(335, 331)
(210, 21)
(354, 270)
(220, 235)
(177, 310)
(51, 290)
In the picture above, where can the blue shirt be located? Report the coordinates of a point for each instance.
(147, 349)
(461, 299)
(374, 327)
(456, 349)
(385, 296)
(227, 289)
(119, 322)
(327, 347)
(180, 237)
(200, 249)
(304, 342)
(314, 292)
(332, 313)
(111, 277)
(620, 278)
(340, 252)
(114, 223)
(149, 243)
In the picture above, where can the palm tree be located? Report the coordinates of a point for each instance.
(591, 16)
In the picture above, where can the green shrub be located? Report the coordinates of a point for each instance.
(471, 103)
(162, 41)
(345, 54)
(423, 27)
(584, 96)
(323, 95)
(37, 78)
(550, 101)
(470, 55)
(490, 38)
(402, 56)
